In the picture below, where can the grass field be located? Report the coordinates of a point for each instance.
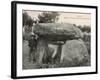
(33, 65)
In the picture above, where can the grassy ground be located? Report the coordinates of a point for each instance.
(33, 65)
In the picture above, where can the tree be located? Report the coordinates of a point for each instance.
(27, 26)
(27, 20)
(48, 17)
(84, 28)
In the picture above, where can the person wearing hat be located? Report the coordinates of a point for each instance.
(32, 45)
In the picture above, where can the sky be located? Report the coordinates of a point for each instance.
(67, 17)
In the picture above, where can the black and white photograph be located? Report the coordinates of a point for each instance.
(53, 39)
(56, 39)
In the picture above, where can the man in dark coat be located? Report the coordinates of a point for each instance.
(32, 45)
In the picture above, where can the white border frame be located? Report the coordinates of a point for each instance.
(36, 72)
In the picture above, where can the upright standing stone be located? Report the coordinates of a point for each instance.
(42, 47)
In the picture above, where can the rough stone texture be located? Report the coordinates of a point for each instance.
(57, 31)
(74, 50)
